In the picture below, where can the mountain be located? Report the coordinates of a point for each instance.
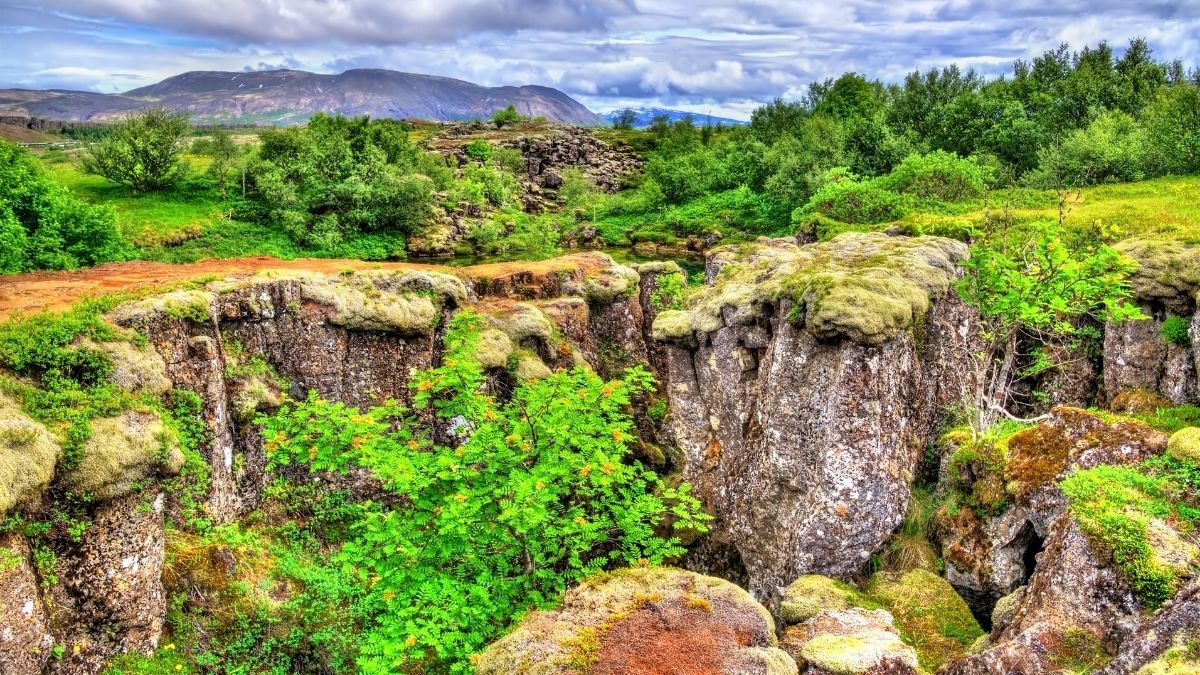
(644, 116)
(292, 96)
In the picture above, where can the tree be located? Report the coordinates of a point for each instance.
(224, 153)
(530, 496)
(625, 119)
(1036, 285)
(507, 116)
(144, 151)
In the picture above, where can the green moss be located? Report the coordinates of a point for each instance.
(1180, 659)
(1185, 445)
(1176, 331)
(615, 281)
(362, 306)
(1123, 509)
(135, 367)
(28, 454)
(854, 654)
(928, 612)
(190, 305)
(528, 366)
(523, 322)
(492, 348)
(812, 594)
(867, 287)
(122, 451)
(1079, 651)
(1168, 270)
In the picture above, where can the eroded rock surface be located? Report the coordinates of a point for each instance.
(644, 621)
(805, 384)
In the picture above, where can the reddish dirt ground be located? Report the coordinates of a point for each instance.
(28, 293)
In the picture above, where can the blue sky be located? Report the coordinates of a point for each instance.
(724, 57)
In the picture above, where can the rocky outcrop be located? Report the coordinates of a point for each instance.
(1165, 639)
(109, 597)
(805, 383)
(644, 620)
(1141, 355)
(547, 155)
(988, 556)
(1075, 604)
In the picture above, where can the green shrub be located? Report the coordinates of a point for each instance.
(479, 150)
(42, 226)
(143, 151)
(506, 116)
(939, 176)
(1176, 331)
(541, 492)
(849, 200)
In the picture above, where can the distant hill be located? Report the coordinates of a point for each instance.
(645, 116)
(292, 96)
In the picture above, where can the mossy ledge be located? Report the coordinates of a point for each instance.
(866, 287)
(1168, 272)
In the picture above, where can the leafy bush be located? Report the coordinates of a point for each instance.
(338, 177)
(479, 150)
(143, 151)
(941, 176)
(849, 200)
(1109, 150)
(539, 492)
(42, 226)
(506, 116)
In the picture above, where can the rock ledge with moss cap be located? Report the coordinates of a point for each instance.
(867, 287)
(644, 620)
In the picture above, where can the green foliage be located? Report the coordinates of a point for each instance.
(144, 151)
(42, 226)
(479, 150)
(1034, 285)
(669, 292)
(938, 176)
(506, 116)
(538, 493)
(625, 119)
(327, 182)
(846, 199)
(1175, 330)
(1115, 505)
(223, 152)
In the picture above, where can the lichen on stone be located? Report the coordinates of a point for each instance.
(28, 454)
(812, 594)
(523, 321)
(1185, 445)
(866, 287)
(1006, 607)
(853, 654)
(850, 642)
(610, 283)
(122, 451)
(1180, 659)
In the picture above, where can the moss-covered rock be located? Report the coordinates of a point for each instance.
(849, 642)
(193, 305)
(644, 620)
(28, 454)
(1180, 659)
(136, 368)
(492, 348)
(530, 367)
(609, 284)
(929, 613)
(1168, 271)
(1006, 608)
(254, 393)
(812, 594)
(1139, 402)
(1185, 445)
(523, 321)
(363, 306)
(867, 287)
(122, 451)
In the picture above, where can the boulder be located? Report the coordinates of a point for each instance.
(1184, 445)
(28, 455)
(849, 642)
(805, 384)
(123, 451)
(644, 621)
(925, 607)
(1166, 643)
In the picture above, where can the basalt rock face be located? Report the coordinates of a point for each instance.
(1173, 632)
(1137, 354)
(805, 384)
(547, 156)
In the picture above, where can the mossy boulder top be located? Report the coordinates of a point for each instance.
(1168, 272)
(850, 642)
(28, 454)
(866, 287)
(644, 620)
(1185, 445)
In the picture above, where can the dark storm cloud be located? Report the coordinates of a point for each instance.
(725, 56)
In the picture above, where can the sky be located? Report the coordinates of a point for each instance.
(720, 57)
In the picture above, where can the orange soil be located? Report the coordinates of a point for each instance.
(28, 293)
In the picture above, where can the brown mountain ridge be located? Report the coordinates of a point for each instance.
(292, 96)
